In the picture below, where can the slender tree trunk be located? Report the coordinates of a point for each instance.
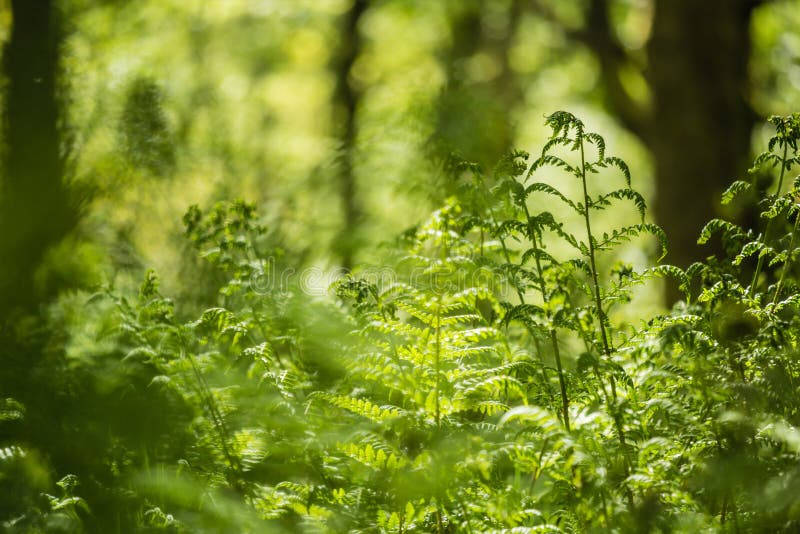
(699, 123)
(34, 208)
(35, 213)
(700, 128)
(346, 102)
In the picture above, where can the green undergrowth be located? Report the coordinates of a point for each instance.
(482, 380)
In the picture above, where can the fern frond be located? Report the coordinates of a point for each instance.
(494, 386)
(399, 329)
(552, 143)
(562, 122)
(718, 226)
(534, 415)
(621, 165)
(523, 312)
(361, 407)
(472, 335)
(599, 142)
(603, 201)
(541, 187)
(413, 354)
(549, 160)
(378, 459)
(753, 248)
(510, 165)
(734, 190)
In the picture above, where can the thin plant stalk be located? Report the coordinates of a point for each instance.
(788, 260)
(767, 230)
(521, 297)
(553, 335)
(437, 362)
(607, 347)
(216, 417)
(592, 263)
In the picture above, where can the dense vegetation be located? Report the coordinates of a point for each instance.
(491, 375)
(273, 266)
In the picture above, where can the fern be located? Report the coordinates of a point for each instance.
(491, 386)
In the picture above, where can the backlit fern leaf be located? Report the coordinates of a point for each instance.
(562, 123)
(361, 407)
(718, 226)
(376, 458)
(399, 329)
(621, 165)
(549, 160)
(541, 187)
(757, 248)
(603, 201)
(734, 190)
(599, 142)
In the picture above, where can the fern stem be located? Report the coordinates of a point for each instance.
(592, 263)
(553, 335)
(438, 343)
(783, 167)
(216, 417)
(765, 238)
(437, 362)
(788, 259)
(521, 296)
(603, 320)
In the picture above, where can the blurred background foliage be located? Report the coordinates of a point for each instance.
(337, 118)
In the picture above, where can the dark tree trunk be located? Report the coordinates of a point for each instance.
(346, 101)
(699, 123)
(35, 213)
(700, 128)
(34, 207)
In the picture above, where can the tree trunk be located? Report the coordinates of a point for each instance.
(34, 208)
(700, 128)
(699, 124)
(346, 100)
